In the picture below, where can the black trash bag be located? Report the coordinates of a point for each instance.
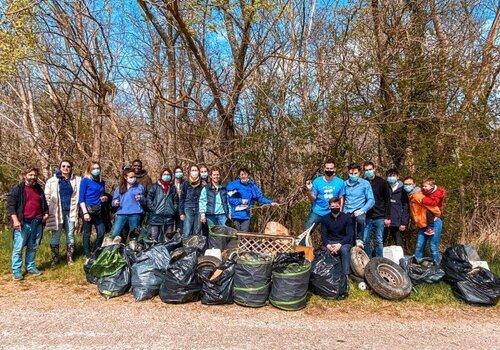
(197, 242)
(252, 279)
(290, 283)
(219, 236)
(220, 290)
(327, 279)
(181, 283)
(119, 283)
(174, 242)
(481, 287)
(282, 260)
(148, 271)
(455, 264)
(426, 272)
(86, 267)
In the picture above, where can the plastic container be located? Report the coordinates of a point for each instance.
(394, 253)
(214, 252)
(480, 263)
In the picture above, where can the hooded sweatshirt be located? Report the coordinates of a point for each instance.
(418, 209)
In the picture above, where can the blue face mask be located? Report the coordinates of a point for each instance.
(392, 180)
(179, 175)
(369, 174)
(408, 188)
(166, 178)
(354, 178)
(96, 172)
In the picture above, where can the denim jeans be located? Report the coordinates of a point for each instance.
(97, 222)
(242, 225)
(378, 226)
(69, 229)
(433, 240)
(312, 219)
(158, 232)
(121, 220)
(345, 257)
(216, 219)
(191, 224)
(358, 223)
(29, 235)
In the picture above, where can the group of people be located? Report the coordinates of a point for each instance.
(366, 207)
(349, 211)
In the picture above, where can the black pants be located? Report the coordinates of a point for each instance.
(161, 232)
(395, 234)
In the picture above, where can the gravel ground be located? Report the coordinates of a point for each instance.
(49, 315)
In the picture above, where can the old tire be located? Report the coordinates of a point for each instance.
(208, 261)
(387, 279)
(359, 260)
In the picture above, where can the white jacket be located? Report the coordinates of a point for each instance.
(53, 200)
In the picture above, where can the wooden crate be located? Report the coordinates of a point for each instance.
(267, 244)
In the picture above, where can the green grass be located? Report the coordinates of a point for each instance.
(424, 294)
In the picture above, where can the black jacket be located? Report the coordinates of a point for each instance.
(190, 197)
(382, 195)
(337, 230)
(400, 211)
(16, 201)
(163, 208)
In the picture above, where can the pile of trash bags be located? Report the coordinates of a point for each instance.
(472, 285)
(425, 271)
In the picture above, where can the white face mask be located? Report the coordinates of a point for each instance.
(131, 180)
(194, 173)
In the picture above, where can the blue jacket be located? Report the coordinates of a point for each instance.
(214, 200)
(128, 204)
(400, 211)
(358, 196)
(237, 191)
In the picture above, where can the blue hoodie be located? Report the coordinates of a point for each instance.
(128, 204)
(237, 191)
(358, 195)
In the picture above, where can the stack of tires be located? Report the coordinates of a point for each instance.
(252, 279)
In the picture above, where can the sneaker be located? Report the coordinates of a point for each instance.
(17, 276)
(107, 241)
(359, 243)
(429, 231)
(35, 272)
(117, 240)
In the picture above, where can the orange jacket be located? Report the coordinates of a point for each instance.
(418, 209)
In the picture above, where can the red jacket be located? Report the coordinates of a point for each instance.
(435, 198)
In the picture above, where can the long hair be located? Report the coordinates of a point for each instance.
(123, 180)
(163, 170)
(89, 168)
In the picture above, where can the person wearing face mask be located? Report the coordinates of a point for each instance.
(242, 193)
(337, 233)
(204, 175)
(61, 192)
(358, 200)
(189, 203)
(91, 198)
(214, 208)
(28, 211)
(321, 190)
(379, 216)
(400, 212)
(178, 181)
(421, 215)
(128, 198)
(163, 204)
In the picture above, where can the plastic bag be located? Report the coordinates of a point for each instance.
(109, 262)
(327, 279)
(197, 242)
(252, 279)
(220, 236)
(148, 271)
(86, 268)
(480, 287)
(220, 290)
(116, 285)
(112, 269)
(419, 273)
(181, 283)
(455, 264)
(290, 281)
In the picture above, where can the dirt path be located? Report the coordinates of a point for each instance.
(48, 315)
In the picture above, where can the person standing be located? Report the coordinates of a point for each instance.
(337, 233)
(214, 208)
(141, 174)
(162, 202)
(61, 192)
(178, 181)
(379, 216)
(91, 198)
(128, 199)
(189, 203)
(242, 193)
(358, 200)
(321, 190)
(28, 211)
(400, 211)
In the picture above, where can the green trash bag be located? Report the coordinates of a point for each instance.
(252, 279)
(219, 237)
(289, 288)
(108, 263)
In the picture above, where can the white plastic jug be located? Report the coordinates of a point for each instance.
(214, 252)
(394, 253)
